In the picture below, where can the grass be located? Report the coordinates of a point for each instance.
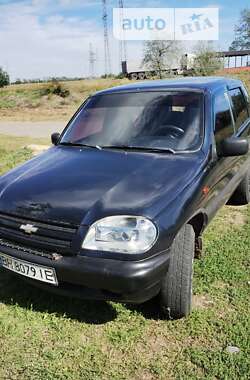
(25, 102)
(15, 150)
(43, 336)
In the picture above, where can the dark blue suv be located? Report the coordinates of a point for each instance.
(116, 209)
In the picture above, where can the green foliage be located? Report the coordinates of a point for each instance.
(18, 81)
(55, 88)
(13, 151)
(10, 158)
(4, 78)
(158, 55)
(242, 32)
(120, 76)
(206, 61)
(108, 76)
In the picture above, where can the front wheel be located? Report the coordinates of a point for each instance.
(176, 290)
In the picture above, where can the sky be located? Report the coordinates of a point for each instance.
(47, 38)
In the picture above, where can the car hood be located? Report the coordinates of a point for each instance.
(79, 185)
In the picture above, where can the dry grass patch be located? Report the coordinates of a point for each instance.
(202, 301)
(29, 102)
(37, 149)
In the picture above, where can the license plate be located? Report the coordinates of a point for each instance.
(36, 272)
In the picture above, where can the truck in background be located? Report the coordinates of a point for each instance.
(180, 66)
(232, 61)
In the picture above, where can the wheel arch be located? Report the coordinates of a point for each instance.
(199, 223)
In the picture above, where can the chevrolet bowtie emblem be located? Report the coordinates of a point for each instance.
(28, 228)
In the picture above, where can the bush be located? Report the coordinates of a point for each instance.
(108, 76)
(207, 61)
(4, 78)
(120, 76)
(18, 81)
(55, 88)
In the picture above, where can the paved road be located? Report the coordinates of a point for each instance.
(31, 129)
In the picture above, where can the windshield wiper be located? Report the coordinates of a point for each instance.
(122, 147)
(81, 145)
(140, 148)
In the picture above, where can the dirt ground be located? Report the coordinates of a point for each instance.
(31, 129)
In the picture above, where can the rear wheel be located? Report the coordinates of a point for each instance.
(176, 291)
(141, 76)
(134, 76)
(241, 195)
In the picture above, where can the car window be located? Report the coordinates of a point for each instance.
(165, 120)
(239, 106)
(247, 98)
(223, 127)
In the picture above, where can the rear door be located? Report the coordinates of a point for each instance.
(240, 107)
(223, 169)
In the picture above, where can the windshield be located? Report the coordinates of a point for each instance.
(150, 120)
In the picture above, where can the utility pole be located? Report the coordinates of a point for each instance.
(122, 42)
(106, 39)
(92, 60)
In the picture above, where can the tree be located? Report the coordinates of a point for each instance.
(242, 32)
(18, 81)
(159, 55)
(206, 60)
(4, 78)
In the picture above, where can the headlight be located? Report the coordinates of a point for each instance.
(124, 234)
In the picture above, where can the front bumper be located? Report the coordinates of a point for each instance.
(99, 278)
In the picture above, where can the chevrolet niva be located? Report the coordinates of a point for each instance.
(115, 210)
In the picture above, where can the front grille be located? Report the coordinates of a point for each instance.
(53, 237)
(32, 251)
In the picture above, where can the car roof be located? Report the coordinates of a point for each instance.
(197, 83)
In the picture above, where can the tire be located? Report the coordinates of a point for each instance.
(241, 195)
(134, 76)
(176, 291)
(141, 76)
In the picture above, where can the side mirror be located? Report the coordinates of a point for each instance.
(55, 137)
(234, 146)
